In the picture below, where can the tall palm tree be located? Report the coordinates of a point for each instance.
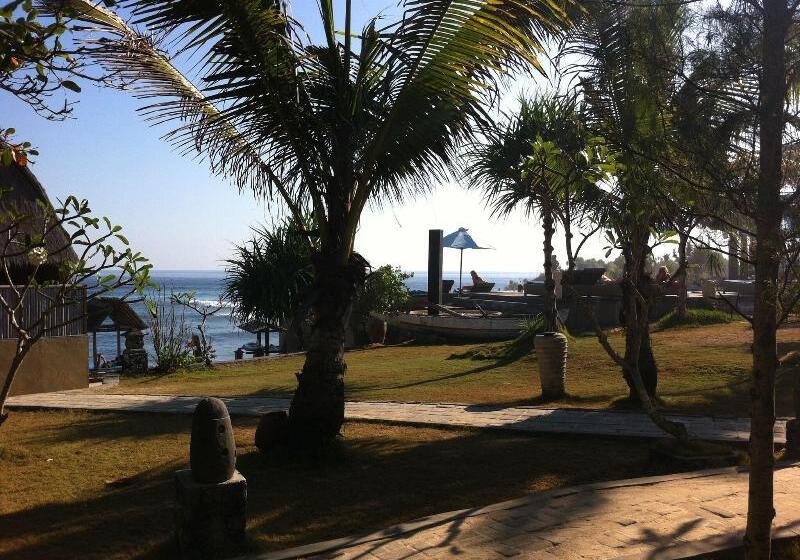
(325, 127)
(543, 160)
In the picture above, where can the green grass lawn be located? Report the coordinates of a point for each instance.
(99, 486)
(703, 370)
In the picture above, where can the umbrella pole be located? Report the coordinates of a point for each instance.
(460, 267)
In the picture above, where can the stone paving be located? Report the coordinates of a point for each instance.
(650, 518)
(522, 418)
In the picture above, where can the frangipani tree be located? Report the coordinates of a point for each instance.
(325, 127)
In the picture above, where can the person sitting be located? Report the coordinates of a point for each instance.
(479, 284)
(662, 276)
(101, 361)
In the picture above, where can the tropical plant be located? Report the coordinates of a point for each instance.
(324, 127)
(268, 281)
(59, 258)
(628, 62)
(34, 63)
(541, 159)
(384, 291)
(745, 88)
(169, 331)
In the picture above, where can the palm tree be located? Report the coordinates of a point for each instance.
(541, 159)
(324, 127)
(628, 65)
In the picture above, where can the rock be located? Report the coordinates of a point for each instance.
(212, 451)
(272, 430)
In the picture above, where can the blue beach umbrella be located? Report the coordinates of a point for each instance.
(460, 240)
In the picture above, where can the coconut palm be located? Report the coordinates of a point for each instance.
(324, 127)
(628, 66)
(543, 160)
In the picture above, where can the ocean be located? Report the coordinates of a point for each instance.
(225, 336)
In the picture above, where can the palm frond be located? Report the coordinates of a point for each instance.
(329, 129)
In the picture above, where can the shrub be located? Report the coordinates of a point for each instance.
(170, 333)
(384, 291)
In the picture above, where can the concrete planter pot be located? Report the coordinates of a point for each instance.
(551, 355)
(376, 330)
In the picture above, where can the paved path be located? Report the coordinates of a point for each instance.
(523, 418)
(647, 518)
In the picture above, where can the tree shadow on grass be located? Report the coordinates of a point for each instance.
(120, 523)
(420, 382)
(376, 476)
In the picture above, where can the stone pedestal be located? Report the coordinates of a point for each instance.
(210, 518)
(134, 358)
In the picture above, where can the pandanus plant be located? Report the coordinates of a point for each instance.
(323, 125)
(541, 159)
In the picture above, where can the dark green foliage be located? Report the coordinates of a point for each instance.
(384, 291)
(268, 279)
(694, 318)
(34, 64)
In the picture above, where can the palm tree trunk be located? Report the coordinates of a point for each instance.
(636, 297)
(316, 413)
(760, 510)
(681, 309)
(636, 293)
(550, 309)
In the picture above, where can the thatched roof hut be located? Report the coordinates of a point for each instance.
(24, 195)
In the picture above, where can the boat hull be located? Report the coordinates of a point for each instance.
(460, 328)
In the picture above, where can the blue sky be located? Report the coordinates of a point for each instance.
(181, 217)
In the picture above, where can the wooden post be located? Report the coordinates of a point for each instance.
(733, 258)
(435, 257)
(94, 349)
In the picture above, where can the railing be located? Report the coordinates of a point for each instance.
(57, 313)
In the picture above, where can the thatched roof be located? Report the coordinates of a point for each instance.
(122, 315)
(22, 191)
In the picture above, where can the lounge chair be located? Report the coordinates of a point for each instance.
(483, 288)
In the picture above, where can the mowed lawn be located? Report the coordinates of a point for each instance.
(99, 486)
(703, 370)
